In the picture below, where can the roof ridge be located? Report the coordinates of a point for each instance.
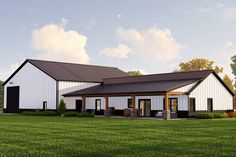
(162, 74)
(72, 63)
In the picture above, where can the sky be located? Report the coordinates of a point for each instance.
(152, 36)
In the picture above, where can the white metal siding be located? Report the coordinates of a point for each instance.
(70, 102)
(119, 102)
(90, 102)
(185, 88)
(67, 87)
(35, 87)
(212, 88)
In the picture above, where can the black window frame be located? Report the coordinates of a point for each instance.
(193, 105)
(211, 105)
(96, 104)
(45, 105)
(129, 103)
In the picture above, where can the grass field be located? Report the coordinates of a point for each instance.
(105, 137)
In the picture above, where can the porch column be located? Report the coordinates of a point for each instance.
(83, 104)
(106, 110)
(133, 112)
(166, 112)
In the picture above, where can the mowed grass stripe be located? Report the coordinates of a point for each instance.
(105, 137)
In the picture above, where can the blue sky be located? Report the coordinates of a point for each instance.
(153, 36)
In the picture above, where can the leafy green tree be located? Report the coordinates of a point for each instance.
(228, 82)
(135, 73)
(199, 64)
(233, 67)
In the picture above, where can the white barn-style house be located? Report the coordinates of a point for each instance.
(38, 84)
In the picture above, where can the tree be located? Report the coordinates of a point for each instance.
(233, 67)
(200, 64)
(135, 73)
(62, 107)
(228, 82)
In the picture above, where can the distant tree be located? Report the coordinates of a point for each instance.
(199, 64)
(228, 82)
(62, 107)
(233, 67)
(135, 73)
(1, 95)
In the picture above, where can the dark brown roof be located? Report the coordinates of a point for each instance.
(192, 75)
(73, 72)
(144, 87)
(149, 83)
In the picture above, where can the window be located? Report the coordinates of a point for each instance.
(45, 105)
(173, 104)
(98, 104)
(209, 104)
(129, 103)
(192, 105)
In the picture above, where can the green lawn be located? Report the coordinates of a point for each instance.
(58, 136)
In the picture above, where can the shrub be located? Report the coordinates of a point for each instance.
(43, 113)
(231, 115)
(70, 114)
(218, 115)
(85, 114)
(62, 107)
(205, 116)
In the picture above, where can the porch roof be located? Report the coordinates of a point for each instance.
(129, 88)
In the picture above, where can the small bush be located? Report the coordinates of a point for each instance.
(205, 116)
(218, 115)
(43, 113)
(85, 114)
(62, 107)
(231, 115)
(70, 114)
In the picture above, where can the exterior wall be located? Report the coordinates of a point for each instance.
(35, 87)
(67, 87)
(185, 88)
(121, 102)
(212, 88)
(157, 102)
(90, 102)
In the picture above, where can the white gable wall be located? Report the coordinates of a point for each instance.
(211, 87)
(35, 87)
(185, 88)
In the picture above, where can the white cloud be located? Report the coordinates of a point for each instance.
(153, 43)
(5, 73)
(55, 43)
(119, 16)
(64, 22)
(121, 51)
(228, 44)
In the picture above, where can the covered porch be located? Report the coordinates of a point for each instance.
(138, 104)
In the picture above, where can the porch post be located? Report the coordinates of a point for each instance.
(166, 112)
(83, 104)
(106, 110)
(133, 111)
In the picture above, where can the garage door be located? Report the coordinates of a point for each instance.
(13, 99)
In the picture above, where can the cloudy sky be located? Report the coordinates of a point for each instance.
(153, 36)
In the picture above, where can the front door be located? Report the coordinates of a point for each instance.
(145, 107)
(78, 106)
(13, 99)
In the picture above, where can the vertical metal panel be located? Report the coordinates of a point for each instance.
(67, 87)
(35, 88)
(212, 88)
(119, 102)
(90, 102)
(185, 88)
